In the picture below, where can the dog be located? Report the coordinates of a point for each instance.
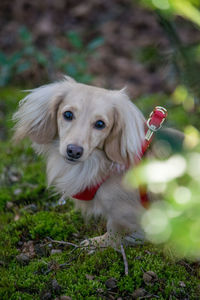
(89, 136)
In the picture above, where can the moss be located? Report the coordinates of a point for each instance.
(73, 281)
(43, 224)
(23, 183)
(25, 284)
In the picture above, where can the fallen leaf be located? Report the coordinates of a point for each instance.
(55, 286)
(111, 283)
(89, 277)
(150, 277)
(29, 249)
(139, 293)
(182, 284)
(23, 259)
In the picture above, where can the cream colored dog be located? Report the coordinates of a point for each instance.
(87, 134)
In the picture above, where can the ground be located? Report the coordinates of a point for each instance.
(111, 44)
(34, 266)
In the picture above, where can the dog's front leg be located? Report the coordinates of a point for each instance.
(112, 238)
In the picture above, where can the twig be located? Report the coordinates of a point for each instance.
(91, 246)
(125, 260)
(64, 243)
(149, 296)
(94, 248)
(69, 262)
(186, 265)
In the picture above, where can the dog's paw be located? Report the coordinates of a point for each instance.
(102, 241)
(136, 238)
(93, 242)
(86, 243)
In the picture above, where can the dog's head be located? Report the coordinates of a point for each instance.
(83, 118)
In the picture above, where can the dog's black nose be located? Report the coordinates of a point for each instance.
(74, 151)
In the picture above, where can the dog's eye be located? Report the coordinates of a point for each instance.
(100, 124)
(68, 115)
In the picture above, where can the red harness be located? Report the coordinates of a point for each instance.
(154, 123)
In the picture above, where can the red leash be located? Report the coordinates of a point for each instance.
(153, 124)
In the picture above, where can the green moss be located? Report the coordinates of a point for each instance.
(43, 224)
(73, 281)
(20, 223)
(25, 284)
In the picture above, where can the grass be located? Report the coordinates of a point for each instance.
(30, 215)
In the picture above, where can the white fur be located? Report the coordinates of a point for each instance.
(40, 117)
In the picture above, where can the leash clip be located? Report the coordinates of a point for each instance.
(157, 117)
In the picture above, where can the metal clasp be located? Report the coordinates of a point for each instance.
(152, 128)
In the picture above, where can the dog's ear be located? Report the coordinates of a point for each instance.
(37, 114)
(124, 142)
(112, 145)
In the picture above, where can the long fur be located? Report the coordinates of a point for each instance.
(39, 117)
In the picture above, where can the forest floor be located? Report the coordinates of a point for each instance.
(34, 266)
(134, 52)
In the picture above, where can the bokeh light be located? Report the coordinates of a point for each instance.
(192, 137)
(182, 195)
(194, 165)
(155, 223)
(173, 220)
(164, 171)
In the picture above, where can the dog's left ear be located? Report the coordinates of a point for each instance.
(125, 140)
(36, 116)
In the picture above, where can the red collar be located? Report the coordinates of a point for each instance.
(154, 123)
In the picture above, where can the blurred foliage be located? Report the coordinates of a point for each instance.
(174, 221)
(53, 59)
(180, 106)
(184, 58)
(186, 8)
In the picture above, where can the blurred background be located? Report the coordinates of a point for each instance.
(144, 45)
(150, 46)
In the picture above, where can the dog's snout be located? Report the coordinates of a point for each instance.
(74, 151)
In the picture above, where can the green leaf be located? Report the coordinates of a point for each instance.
(57, 53)
(5, 75)
(3, 58)
(41, 58)
(71, 69)
(186, 9)
(30, 50)
(23, 67)
(86, 78)
(25, 35)
(94, 44)
(75, 40)
(12, 61)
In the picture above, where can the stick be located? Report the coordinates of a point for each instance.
(82, 247)
(64, 243)
(125, 260)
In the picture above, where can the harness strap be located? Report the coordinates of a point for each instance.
(144, 199)
(153, 124)
(89, 193)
